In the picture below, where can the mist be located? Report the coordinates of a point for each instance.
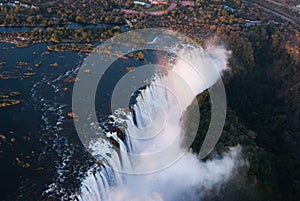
(187, 179)
(152, 164)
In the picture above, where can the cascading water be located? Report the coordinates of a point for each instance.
(154, 137)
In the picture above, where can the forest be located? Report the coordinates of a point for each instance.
(263, 116)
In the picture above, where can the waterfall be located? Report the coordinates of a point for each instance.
(153, 162)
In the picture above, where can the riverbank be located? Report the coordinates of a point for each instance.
(73, 33)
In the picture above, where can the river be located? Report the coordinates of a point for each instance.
(40, 136)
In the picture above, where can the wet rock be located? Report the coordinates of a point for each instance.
(14, 93)
(26, 75)
(4, 96)
(37, 64)
(13, 140)
(72, 115)
(55, 65)
(8, 102)
(22, 164)
(99, 163)
(141, 56)
(72, 79)
(21, 63)
(131, 55)
(2, 137)
(5, 75)
(130, 69)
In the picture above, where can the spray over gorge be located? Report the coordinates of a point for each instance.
(151, 159)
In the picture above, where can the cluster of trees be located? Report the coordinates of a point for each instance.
(59, 12)
(91, 12)
(63, 34)
(269, 104)
(263, 116)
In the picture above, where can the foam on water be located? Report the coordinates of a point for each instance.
(48, 98)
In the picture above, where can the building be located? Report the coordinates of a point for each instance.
(158, 2)
(142, 3)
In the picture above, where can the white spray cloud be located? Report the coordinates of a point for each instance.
(158, 146)
(184, 180)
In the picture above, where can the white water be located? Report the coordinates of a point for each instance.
(48, 98)
(155, 141)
